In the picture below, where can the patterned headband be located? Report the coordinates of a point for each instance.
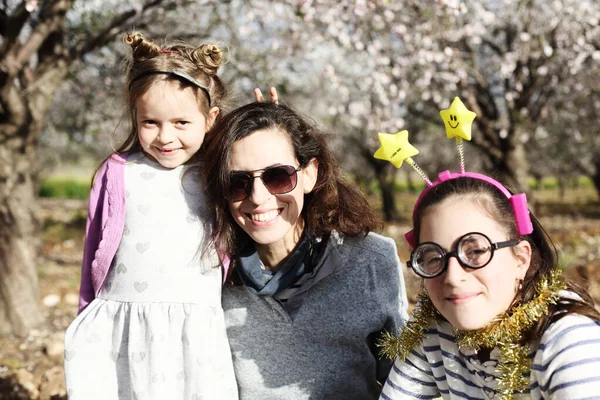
(175, 74)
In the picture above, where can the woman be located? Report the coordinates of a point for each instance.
(310, 289)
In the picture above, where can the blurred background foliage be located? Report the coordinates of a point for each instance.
(528, 68)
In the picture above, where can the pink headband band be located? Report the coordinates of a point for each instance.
(518, 202)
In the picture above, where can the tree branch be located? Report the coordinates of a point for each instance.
(493, 46)
(118, 24)
(10, 26)
(51, 19)
(115, 26)
(3, 22)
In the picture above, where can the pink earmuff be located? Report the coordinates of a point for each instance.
(518, 202)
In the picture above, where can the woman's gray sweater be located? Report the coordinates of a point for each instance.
(327, 350)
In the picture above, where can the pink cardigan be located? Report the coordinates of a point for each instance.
(104, 228)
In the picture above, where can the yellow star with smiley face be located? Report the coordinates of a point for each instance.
(395, 148)
(458, 120)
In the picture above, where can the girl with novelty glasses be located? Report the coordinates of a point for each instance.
(311, 288)
(496, 319)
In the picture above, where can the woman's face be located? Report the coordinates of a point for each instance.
(471, 298)
(272, 220)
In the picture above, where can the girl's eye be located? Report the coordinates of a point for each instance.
(149, 122)
(183, 122)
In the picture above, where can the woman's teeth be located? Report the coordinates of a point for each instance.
(266, 216)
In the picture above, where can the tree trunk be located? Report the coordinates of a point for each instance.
(20, 128)
(385, 174)
(386, 179)
(19, 229)
(596, 176)
(513, 167)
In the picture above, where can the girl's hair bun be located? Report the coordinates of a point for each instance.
(140, 46)
(208, 58)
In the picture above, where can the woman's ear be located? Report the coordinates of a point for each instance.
(523, 255)
(309, 175)
(212, 116)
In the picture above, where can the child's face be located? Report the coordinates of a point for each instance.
(470, 298)
(171, 127)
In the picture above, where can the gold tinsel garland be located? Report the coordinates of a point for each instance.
(504, 332)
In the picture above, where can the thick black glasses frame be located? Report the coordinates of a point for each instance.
(412, 263)
(251, 176)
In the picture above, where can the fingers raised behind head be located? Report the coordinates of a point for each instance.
(272, 92)
(274, 98)
(259, 96)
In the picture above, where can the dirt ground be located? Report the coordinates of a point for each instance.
(31, 367)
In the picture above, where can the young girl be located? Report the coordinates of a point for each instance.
(151, 324)
(496, 320)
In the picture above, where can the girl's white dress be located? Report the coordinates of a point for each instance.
(156, 329)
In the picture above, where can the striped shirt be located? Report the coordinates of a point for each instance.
(566, 365)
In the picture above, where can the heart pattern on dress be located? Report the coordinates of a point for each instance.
(69, 355)
(144, 209)
(148, 175)
(142, 247)
(158, 378)
(140, 286)
(121, 269)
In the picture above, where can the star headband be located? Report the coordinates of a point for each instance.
(458, 120)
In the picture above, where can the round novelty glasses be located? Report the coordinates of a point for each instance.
(473, 250)
(278, 180)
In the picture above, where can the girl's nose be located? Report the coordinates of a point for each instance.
(165, 135)
(454, 272)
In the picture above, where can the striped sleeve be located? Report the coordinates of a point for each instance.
(567, 363)
(411, 379)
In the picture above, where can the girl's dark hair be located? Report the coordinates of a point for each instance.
(544, 256)
(147, 58)
(334, 204)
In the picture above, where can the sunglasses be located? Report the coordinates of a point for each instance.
(473, 250)
(278, 180)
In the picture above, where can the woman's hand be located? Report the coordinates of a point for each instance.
(272, 92)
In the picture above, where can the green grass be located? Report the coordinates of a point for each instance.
(550, 182)
(547, 183)
(65, 188)
(79, 188)
(59, 231)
